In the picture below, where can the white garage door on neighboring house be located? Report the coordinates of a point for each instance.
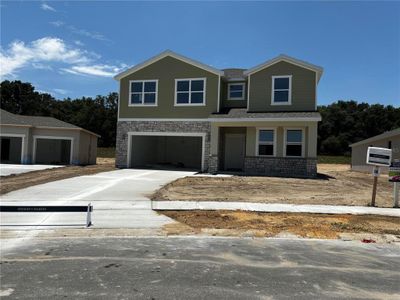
(166, 150)
(52, 151)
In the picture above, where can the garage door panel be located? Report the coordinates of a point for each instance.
(53, 151)
(10, 149)
(173, 151)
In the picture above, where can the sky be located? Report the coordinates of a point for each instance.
(73, 48)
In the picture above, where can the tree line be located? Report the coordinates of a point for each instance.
(343, 122)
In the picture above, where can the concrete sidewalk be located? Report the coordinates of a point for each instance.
(12, 169)
(267, 207)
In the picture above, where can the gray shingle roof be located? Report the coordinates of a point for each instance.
(234, 73)
(387, 134)
(239, 113)
(7, 118)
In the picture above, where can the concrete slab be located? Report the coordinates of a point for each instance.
(11, 169)
(120, 200)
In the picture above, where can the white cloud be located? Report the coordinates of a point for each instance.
(79, 43)
(41, 66)
(79, 31)
(61, 91)
(47, 7)
(49, 52)
(95, 70)
(57, 23)
(47, 49)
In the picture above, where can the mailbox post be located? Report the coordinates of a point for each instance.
(394, 176)
(378, 157)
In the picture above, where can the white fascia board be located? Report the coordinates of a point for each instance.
(163, 55)
(319, 70)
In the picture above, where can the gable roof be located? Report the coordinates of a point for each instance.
(319, 70)
(7, 118)
(233, 74)
(378, 137)
(163, 55)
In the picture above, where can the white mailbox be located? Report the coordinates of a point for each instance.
(379, 156)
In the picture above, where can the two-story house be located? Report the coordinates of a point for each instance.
(178, 112)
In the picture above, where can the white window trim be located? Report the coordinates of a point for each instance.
(47, 137)
(203, 136)
(142, 104)
(243, 91)
(302, 141)
(289, 91)
(18, 135)
(190, 92)
(258, 129)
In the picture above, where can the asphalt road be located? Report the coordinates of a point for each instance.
(199, 268)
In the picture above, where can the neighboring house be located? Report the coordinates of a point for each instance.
(44, 140)
(179, 112)
(389, 139)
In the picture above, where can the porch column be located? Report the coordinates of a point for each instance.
(214, 140)
(312, 136)
(214, 143)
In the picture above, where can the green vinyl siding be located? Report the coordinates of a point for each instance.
(225, 103)
(303, 88)
(166, 70)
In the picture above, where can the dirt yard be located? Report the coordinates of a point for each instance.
(20, 181)
(273, 224)
(336, 185)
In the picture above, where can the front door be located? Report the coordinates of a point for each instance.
(234, 151)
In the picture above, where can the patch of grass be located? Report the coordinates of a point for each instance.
(330, 159)
(106, 152)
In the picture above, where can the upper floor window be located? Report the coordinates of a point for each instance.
(190, 91)
(294, 142)
(281, 90)
(266, 142)
(143, 93)
(236, 91)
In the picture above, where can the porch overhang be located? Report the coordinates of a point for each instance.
(238, 115)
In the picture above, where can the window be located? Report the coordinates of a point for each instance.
(390, 145)
(294, 142)
(266, 142)
(281, 90)
(190, 91)
(236, 91)
(143, 93)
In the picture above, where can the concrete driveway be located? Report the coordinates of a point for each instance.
(120, 200)
(10, 169)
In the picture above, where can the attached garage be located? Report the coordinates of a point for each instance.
(11, 149)
(44, 140)
(166, 150)
(52, 151)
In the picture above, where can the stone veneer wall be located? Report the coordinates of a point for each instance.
(123, 127)
(213, 164)
(281, 166)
